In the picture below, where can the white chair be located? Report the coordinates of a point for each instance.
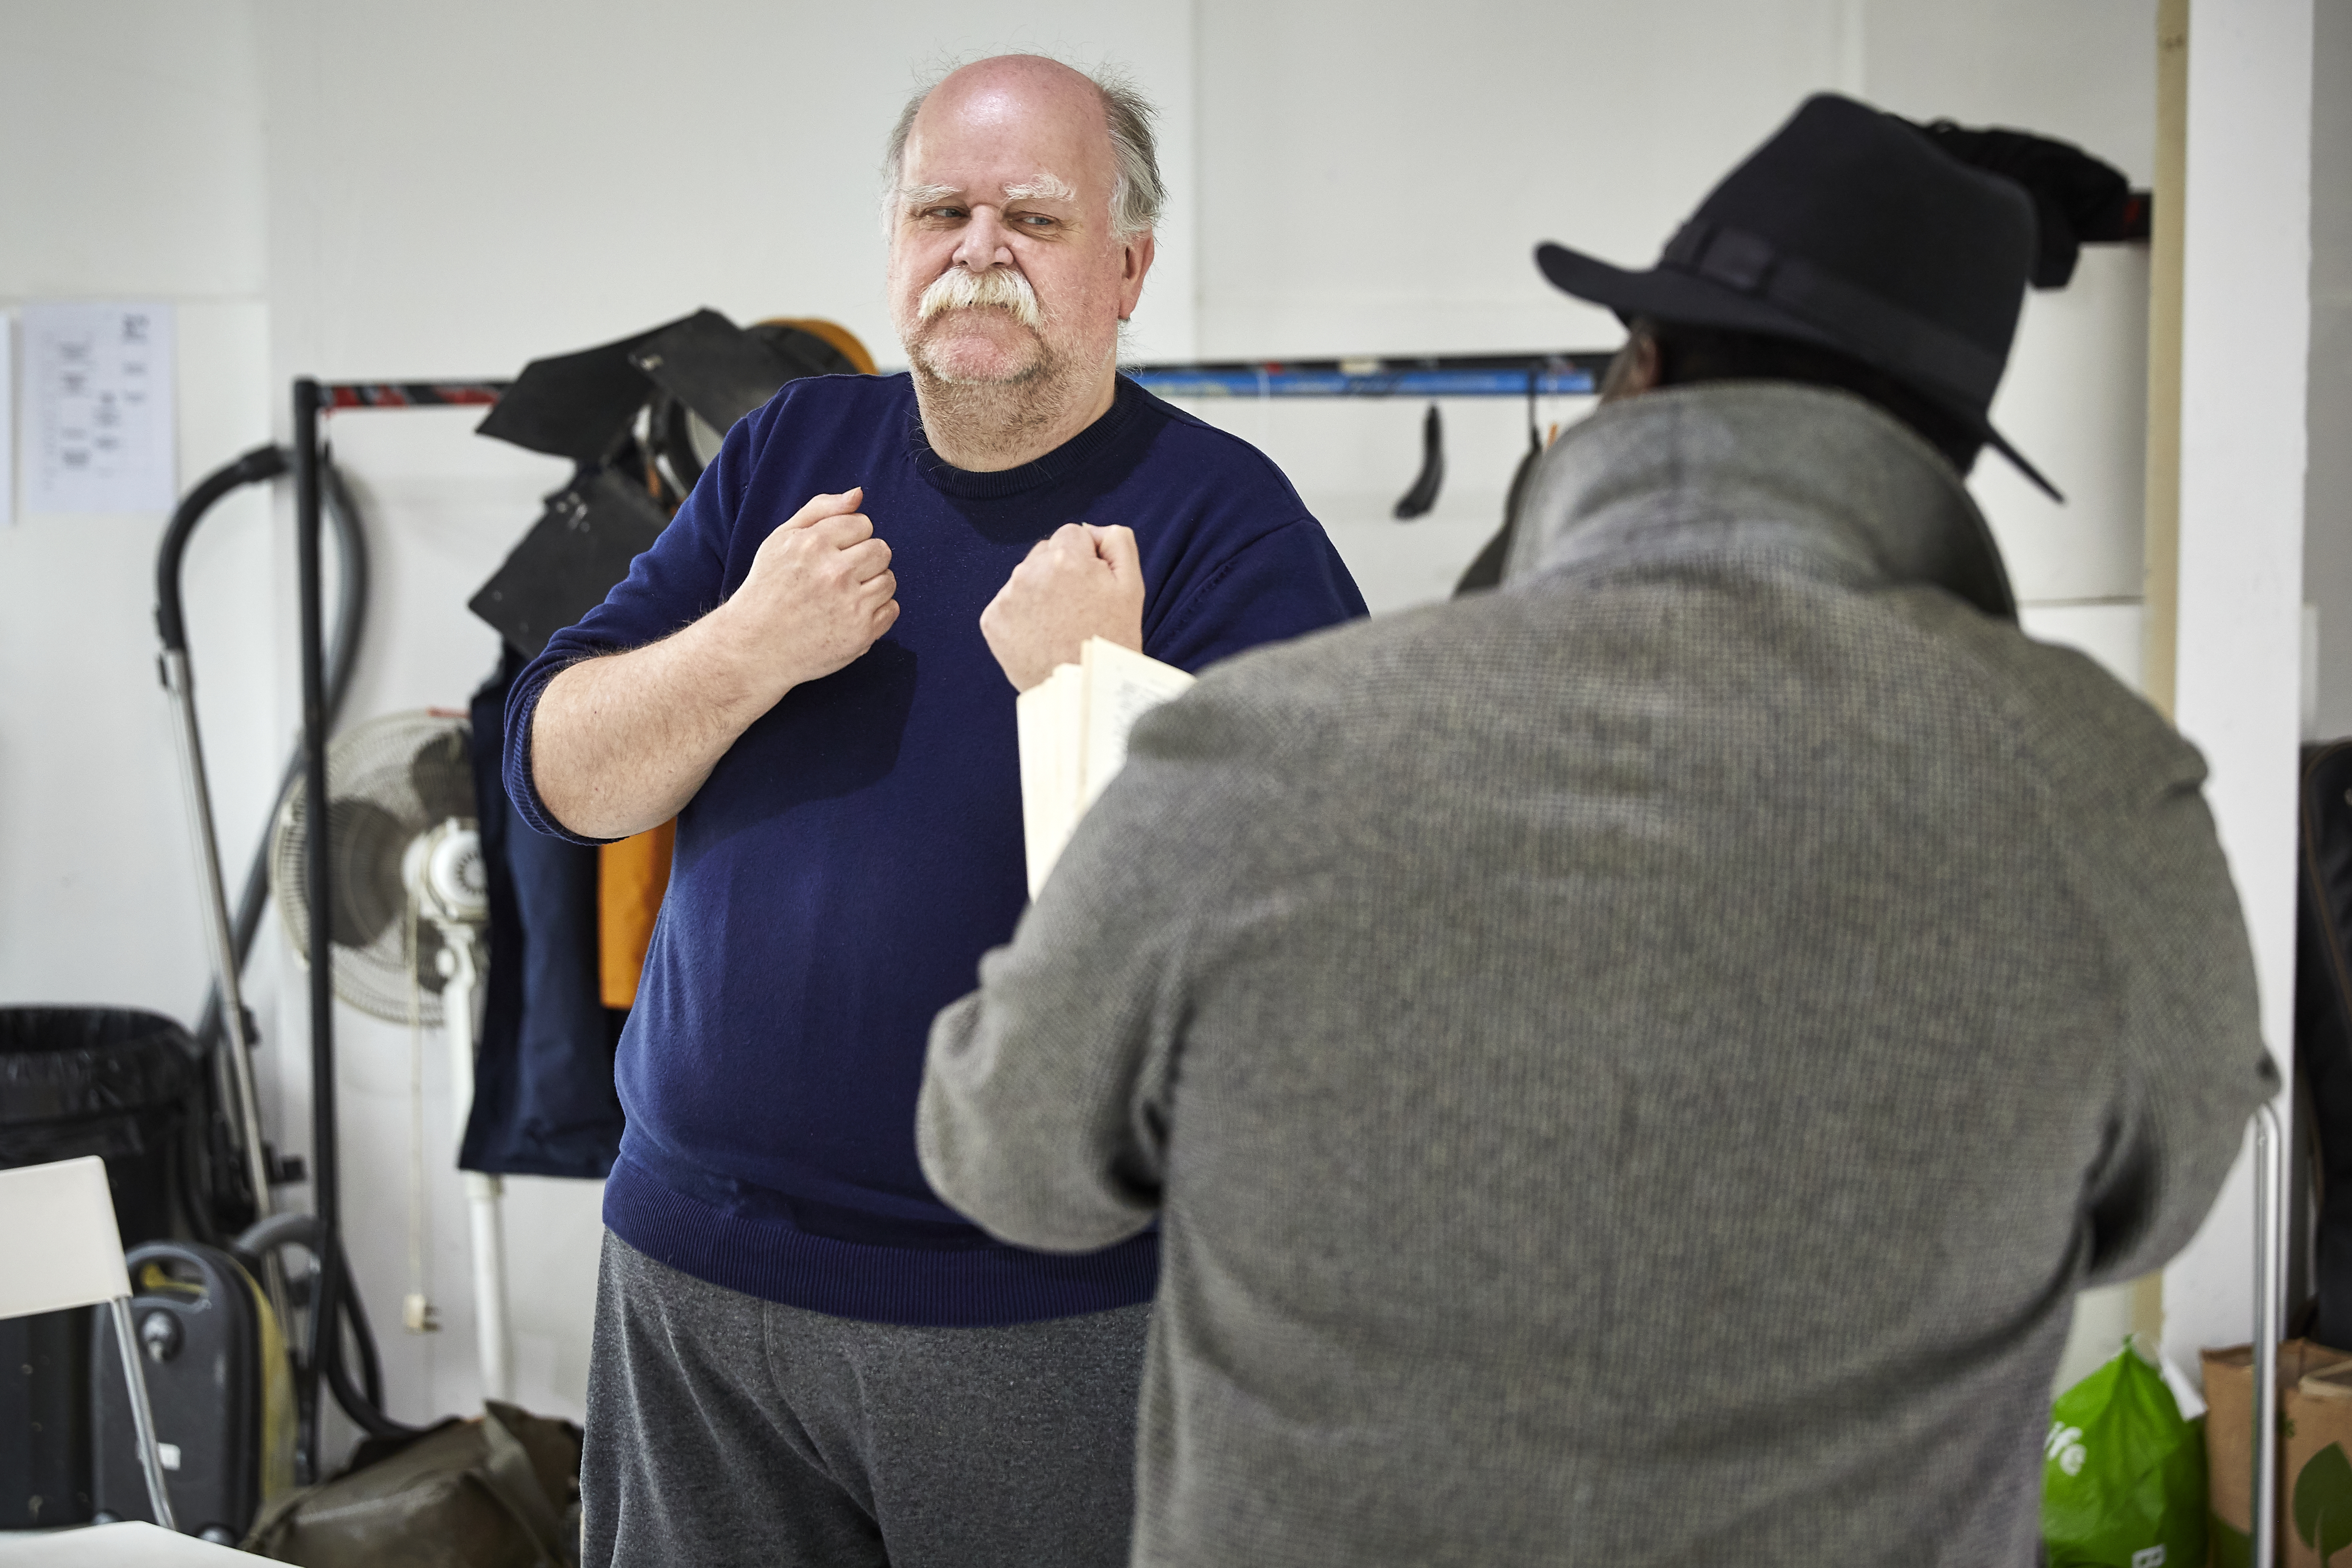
(57, 1234)
(130, 1545)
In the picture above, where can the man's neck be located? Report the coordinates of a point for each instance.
(987, 428)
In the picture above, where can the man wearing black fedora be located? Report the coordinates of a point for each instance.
(1632, 1068)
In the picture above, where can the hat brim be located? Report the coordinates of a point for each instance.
(1671, 296)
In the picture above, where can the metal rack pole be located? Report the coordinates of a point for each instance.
(2270, 1315)
(324, 1191)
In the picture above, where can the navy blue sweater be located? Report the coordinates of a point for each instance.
(858, 848)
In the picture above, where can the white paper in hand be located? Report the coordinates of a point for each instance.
(1046, 717)
(1073, 727)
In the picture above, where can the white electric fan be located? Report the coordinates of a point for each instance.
(410, 898)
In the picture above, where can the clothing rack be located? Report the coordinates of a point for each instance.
(1565, 373)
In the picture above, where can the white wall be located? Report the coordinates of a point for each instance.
(450, 189)
(99, 901)
(1425, 152)
(1421, 175)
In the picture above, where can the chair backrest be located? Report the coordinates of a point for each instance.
(58, 1245)
(133, 1543)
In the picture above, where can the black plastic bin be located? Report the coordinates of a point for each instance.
(120, 1084)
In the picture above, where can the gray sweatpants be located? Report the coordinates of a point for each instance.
(724, 1429)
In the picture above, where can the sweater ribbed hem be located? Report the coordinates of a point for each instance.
(971, 1287)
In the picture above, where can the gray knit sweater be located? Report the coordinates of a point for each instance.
(1633, 1067)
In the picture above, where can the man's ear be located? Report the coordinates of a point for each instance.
(1636, 368)
(1135, 260)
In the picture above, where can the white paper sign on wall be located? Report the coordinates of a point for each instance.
(97, 408)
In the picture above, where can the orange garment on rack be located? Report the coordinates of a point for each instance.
(833, 332)
(632, 875)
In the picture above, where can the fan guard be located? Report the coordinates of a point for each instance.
(391, 781)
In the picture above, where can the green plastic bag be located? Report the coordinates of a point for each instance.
(2123, 1476)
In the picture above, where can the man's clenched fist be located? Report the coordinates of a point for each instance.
(1085, 582)
(819, 593)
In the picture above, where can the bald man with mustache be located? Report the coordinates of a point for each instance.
(801, 1355)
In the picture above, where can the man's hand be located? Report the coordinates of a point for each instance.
(1085, 582)
(819, 594)
(621, 743)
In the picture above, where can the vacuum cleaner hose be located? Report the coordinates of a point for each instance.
(261, 463)
(363, 1400)
(351, 619)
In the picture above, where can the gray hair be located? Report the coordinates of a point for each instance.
(1136, 194)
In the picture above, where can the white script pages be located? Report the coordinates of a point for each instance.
(1073, 729)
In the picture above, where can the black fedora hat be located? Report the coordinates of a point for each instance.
(1852, 231)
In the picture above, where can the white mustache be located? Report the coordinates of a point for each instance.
(958, 288)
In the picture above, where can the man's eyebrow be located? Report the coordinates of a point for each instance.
(1046, 186)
